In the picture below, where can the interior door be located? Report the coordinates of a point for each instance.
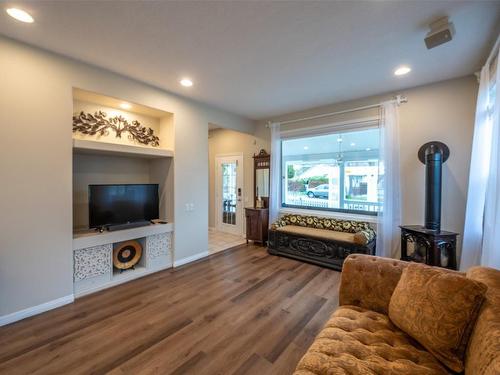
(229, 194)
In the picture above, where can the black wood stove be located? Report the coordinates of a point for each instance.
(429, 244)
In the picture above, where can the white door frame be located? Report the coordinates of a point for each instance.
(240, 215)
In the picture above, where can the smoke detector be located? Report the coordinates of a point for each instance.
(442, 31)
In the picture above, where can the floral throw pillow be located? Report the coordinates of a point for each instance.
(438, 308)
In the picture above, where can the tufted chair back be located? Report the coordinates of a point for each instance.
(369, 282)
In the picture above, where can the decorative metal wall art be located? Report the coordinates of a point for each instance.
(98, 123)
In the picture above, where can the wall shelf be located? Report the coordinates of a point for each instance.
(81, 146)
(129, 274)
(92, 238)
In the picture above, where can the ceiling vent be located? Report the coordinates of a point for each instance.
(442, 31)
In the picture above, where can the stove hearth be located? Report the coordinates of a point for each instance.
(429, 244)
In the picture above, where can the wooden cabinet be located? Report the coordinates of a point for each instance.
(257, 224)
(257, 218)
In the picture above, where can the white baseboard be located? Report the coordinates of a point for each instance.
(35, 310)
(190, 259)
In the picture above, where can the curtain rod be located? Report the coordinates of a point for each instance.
(399, 99)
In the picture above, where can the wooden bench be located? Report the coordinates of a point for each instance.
(323, 241)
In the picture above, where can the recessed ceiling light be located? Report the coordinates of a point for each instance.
(339, 139)
(125, 105)
(353, 144)
(20, 15)
(368, 149)
(402, 70)
(186, 82)
(306, 147)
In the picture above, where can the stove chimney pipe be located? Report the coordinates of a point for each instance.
(433, 155)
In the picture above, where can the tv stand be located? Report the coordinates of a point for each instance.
(136, 224)
(92, 256)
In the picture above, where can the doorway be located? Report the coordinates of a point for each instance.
(229, 193)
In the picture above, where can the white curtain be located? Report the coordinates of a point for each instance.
(275, 193)
(481, 241)
(388, 221)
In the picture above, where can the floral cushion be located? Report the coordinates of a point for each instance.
(338, 225)
(421, 306)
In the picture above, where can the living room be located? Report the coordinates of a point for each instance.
(351, 147)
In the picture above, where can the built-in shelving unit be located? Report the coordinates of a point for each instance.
(93, 254)
(91, 238)
(117, 154)
(81, 146)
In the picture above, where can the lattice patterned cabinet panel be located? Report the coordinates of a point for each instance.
(92, 262)
(158, 249)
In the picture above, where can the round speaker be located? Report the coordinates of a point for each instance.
(127, 254)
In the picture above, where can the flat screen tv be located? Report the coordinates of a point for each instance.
(122, 204)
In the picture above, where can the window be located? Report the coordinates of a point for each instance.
(335, 172)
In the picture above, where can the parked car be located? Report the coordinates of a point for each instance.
(320, 191)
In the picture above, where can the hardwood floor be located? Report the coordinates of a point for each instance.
(241, 311)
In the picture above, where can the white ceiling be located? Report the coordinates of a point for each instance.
(260, 59)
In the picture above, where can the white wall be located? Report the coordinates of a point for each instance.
(442, 111)
(35, 164)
